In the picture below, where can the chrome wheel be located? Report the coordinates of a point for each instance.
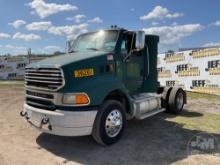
(179, 100)
(113, 123)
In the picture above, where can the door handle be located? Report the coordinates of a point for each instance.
(128, 59)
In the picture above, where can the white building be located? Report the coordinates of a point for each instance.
(195, 69)
(12, 67)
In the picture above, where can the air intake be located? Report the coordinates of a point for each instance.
(44, 78)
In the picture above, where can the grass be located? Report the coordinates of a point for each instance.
(196, 120)
(194, 95)
(11, 84)
(205, 122)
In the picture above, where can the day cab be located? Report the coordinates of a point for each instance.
(106, 78)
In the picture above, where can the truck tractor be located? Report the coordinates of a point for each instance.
(106, 78)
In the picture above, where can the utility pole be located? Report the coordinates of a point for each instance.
(29, 55)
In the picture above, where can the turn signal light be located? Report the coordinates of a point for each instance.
(82, 99)
(76, 99)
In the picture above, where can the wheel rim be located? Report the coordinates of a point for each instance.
(179, 101)
(113, 124)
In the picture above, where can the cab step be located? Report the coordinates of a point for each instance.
(149, 114)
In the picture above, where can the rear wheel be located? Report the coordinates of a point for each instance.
(109, 123)
(176, 100)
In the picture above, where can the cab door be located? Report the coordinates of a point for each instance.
(133, 65)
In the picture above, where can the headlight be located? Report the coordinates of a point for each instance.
(76, 99)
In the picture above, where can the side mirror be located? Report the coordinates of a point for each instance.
(140, 40)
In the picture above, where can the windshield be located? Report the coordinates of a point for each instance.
(101, 40)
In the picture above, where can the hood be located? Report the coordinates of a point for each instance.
(66, 59)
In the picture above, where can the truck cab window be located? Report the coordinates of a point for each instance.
(123, 46)
(128, 43)
(124, 50)
(103, 40)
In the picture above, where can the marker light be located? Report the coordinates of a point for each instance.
(82, 99)
(76, 99)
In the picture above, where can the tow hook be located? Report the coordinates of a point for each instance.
(23, 114)
(45, 120)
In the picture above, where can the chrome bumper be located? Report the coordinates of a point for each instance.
(58, 122)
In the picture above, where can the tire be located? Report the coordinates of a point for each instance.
(102, 129)
(165, 97)
(176, 100)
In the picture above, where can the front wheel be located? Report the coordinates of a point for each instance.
(109, 123)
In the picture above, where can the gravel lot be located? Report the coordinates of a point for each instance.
(161, 139)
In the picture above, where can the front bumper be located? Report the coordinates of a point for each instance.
(59, 122)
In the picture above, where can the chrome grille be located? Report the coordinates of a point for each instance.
(39, 95)
(44, 78)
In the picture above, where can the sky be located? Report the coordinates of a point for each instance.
(46, 25)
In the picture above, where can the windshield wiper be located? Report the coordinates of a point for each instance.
(95, 49)
(72, 51)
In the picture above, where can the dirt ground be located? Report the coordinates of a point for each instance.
(158, 140)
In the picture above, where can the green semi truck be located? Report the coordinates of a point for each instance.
(106, 78)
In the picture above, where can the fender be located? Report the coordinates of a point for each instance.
(102, 86)
(97, 87)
